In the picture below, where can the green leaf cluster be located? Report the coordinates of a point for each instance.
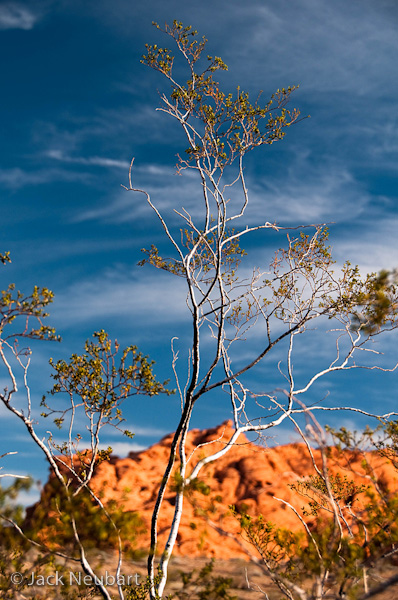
(100, 380)
(17, 308)
(232, 124)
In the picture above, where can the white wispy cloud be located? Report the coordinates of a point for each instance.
(27, 498)
(122, 209)
(309, 194)
(17, 16)
(167, 190)
(64, 138)
(278, 436)
(148, 431)
(317, 54)
(374, 246)
(120, 295)
(305, 193)
(39, 252)
(122, 448)
(17, 178)
(96, 161)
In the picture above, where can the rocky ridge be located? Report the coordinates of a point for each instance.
(249, 476)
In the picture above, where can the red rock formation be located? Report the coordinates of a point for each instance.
(247, 476)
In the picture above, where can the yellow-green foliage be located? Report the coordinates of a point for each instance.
(348, 532)
(97, 527)
(233, 125)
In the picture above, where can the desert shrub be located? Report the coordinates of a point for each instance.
(52, 522)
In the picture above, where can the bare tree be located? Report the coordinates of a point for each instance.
(276, 307)
(228, 303)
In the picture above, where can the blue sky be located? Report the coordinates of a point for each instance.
(77, 105)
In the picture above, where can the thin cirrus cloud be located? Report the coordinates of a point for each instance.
(324, 194)
(376, 248)
(17, 16)
(122, 448)
(101, 161)
(120, 210)
(118, 295)
(95, 161)
(318, 54)
(167, 190)
(17, 178)
(329, 194)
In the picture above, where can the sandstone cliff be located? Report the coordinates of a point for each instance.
(248, 476)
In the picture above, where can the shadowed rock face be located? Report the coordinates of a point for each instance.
(248, 476)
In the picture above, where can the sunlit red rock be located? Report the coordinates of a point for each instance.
(249, 476)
